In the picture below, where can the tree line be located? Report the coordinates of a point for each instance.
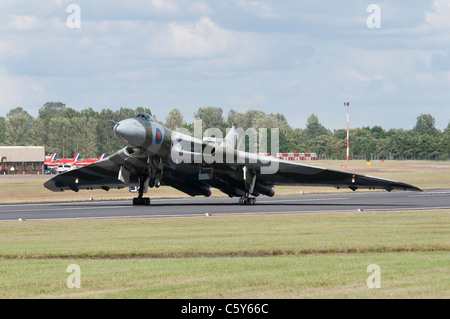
(65, 131)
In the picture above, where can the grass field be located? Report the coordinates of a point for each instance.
(403, 275)
(320, 255)
(323, 255)
(423, 174)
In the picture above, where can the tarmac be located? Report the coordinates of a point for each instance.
(201, 206)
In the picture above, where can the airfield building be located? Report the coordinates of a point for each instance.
(22, 159)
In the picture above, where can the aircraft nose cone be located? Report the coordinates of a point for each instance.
(130, 132)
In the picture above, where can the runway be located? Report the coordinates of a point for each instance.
(198, 206)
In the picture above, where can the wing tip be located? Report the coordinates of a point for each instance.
(412, 188)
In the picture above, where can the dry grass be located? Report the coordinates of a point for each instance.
(424, 174)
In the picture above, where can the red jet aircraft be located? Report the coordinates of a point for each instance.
(70, 161)
(89, 160)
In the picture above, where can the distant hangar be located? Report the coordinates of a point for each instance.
(22, 159)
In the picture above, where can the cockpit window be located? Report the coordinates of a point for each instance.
(144, 116)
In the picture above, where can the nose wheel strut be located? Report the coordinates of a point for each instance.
(140, 200)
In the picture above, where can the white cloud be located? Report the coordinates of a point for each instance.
(11, 50)
(24, 23)
(447, 77)
(254, 100)
(362, 78)
(293, 83)
(258, 8)
(228, 53)
(164, 6)
(59, 3)
(200, 8)
(18, 90)
(202, 39)
(440, 17)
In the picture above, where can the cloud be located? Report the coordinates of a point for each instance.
(202, 39)
(254, 100)
(275, 55)
(9, 49)
(439, 17)
(258, 8)
(201, 8)
(164, 6)
(434, 30)
(16, 90)
(364, 79)
(24, 23)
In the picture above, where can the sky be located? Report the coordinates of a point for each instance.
(294, 57)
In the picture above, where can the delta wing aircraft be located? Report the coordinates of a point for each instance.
(155, 155)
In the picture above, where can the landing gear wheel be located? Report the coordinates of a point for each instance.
(154, 182)
(247, 200)
(141, 201)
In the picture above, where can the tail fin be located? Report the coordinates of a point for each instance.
(234, 137)
(101, 156)
(53, 157)
(77, 157)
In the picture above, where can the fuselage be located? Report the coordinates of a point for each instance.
(144, 135)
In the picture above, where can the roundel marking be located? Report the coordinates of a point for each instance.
(158, 137)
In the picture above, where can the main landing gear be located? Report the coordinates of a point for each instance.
(249, 176)
(246, 200)
(154, 182)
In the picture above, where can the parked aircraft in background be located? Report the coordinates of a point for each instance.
(89, 160)
(152, 158)
(48, 162)
(69, 161)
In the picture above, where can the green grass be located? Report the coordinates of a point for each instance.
(323, 255)
(228, 235)
(403, 275)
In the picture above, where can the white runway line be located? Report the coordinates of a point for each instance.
(428, 195)
(302, 200)
(237, 213)
(64, 208)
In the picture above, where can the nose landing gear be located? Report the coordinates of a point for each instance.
(143, 201)
(143, 185)
(151, 177)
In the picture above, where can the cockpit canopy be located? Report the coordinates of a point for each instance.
(144, 116)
